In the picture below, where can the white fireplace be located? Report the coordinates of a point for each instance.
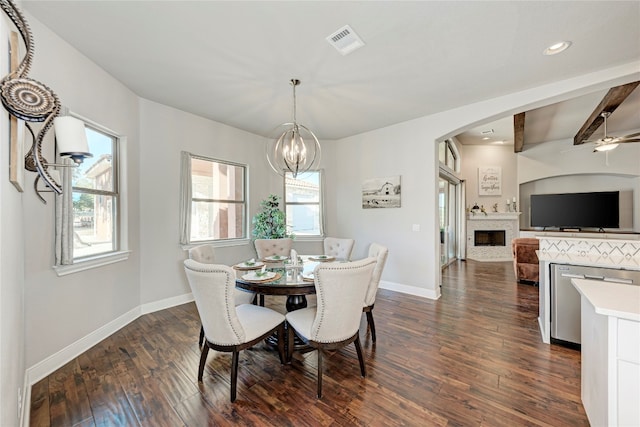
(489, 235)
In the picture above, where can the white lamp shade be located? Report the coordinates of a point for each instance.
(71, 137)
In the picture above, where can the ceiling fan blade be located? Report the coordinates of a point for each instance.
(633, 135)
(629, 140)
(578, 147)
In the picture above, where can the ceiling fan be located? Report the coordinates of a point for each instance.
(607, 143)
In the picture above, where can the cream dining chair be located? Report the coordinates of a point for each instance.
(270, 247)
(335, 321)
(380, 254)
(339, 248)
(227, 327)
(206, 254)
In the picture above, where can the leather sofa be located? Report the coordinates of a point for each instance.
(525, 259)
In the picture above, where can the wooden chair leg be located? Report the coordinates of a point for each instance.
(320, 363)
(360, 358)
(281, 338)
(372, 325)
(290, 342)
(234, 375)
(203, 361)
(201, 339)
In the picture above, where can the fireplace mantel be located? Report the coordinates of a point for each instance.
(498, 221)
(493, 216)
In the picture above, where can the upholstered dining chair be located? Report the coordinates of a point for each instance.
(335, 321)
(270, 247)
(227, 327)
(380, 253)
(206, 254)
(339, 248)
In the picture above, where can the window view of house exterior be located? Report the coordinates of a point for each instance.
(303, 203)
(218, 200)
(95, 197)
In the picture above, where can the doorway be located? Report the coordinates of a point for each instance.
(448, 196)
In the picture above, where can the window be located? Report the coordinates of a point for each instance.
(214, 205)
(448, 154)
(303, 203)
(95, 197)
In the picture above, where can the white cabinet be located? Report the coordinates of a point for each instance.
(610, 322)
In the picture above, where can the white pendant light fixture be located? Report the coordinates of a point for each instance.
(296, 150)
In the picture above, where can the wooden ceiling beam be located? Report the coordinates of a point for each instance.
(518, 132)
(609, 103)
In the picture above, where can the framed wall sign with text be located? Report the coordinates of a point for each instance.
(490, 181)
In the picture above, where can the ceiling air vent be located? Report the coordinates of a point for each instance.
(345, 40)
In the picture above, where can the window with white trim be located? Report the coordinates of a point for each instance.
(303, 204)
(96, 197)
(214, 203)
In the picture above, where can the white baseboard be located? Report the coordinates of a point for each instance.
(491, 259)
(411, 290)
(151, 307)
(45, 367)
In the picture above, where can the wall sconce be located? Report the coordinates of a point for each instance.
(29, 100)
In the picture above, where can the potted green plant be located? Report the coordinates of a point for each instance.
(269, 222)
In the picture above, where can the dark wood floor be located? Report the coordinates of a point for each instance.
(474, 357)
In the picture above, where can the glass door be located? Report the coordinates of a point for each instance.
(448, 225)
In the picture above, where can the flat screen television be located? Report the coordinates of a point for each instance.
(576, 210)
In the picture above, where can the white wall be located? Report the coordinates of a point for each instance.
(410, 149)
(12, 365)
(61, 310)
(579, 169)
(165, 132)
(475, 156)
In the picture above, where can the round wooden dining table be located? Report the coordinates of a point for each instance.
(295, 288)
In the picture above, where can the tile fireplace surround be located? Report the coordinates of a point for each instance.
(500, 221)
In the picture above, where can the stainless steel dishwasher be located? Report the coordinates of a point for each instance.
(565, 299)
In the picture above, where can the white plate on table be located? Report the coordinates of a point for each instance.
(308, 277)
(322, 258)
(249, 266)
(276, 258)
(254, 276)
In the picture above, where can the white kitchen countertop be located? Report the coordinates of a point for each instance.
(611, 299)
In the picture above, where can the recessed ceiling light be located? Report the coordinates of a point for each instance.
(485, 138)
(557, 48)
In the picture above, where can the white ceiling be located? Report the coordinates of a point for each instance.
(232, 61)
(559, 121)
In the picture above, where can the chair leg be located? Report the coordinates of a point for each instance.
(203, 361)
(360, 358)
(281, 338)
(320, 363)
(290, 337)
(234, 374)
(372, 325)
(201, 339)
(261, 300)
